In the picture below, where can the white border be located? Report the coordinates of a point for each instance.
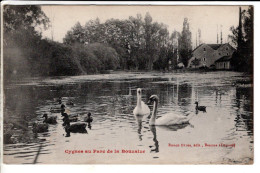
(154, 168)
(129, 2)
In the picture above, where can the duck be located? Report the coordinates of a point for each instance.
(77, 127)
(141, 108)
(7, 138)
(58, 100)
(88, 119)
(49, 120)
(70, 103)
(73, 118)
(8, 133)
(200, 108)
(58, 109)
(168, 119)
(40, 127)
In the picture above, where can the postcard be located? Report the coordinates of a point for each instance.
(127, 84)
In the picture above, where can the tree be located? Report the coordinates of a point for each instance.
(249, 36)
(22, 36)
(156, 36)
(75, 35)
(242, 37)
(136, 41)
(234, 36)
(195, 62)
(105, 54)
(185, 44)
(117, 35)
(94, 32)
(139, 43)
(23, 16)
(175, 39)
(148, 39)
(21, 24)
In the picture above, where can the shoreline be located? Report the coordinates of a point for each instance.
(120, 75)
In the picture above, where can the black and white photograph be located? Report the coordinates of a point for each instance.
(127, 84)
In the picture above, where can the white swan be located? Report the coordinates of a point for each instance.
(141, 108)
(166, 119)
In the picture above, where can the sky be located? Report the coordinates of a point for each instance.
(209, 19)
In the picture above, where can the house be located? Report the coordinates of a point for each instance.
(205, 55)
(223, 63)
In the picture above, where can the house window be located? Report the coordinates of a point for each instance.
(204, 49)
(227, 53)
(227, 48)
(219, 53)
(204, 59)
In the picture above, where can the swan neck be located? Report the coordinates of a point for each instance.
(152, 120)
(138, 100)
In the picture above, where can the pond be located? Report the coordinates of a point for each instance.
(111, 98)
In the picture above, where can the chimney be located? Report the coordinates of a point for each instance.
(221, 39)
(199, 31)
(217, 34)
(196, 39)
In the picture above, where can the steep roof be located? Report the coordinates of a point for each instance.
(197, 47)
(215, 46)
(224, 58)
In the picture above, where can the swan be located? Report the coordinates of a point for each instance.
(167, 119)
(141, 108)
(49, 120)
(200, 108)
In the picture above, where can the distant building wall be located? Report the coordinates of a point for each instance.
(207, 54)
(223, 65)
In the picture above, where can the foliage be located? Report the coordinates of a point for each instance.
(75, 35)
(185, 43)
(195, 62)
(105, 54)
(21, 38)
(135, 43)
(23, 16)
(242, 37)
(139, 42)
(27, 54)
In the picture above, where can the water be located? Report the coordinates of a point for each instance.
(112, 98)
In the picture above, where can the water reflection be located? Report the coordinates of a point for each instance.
(244, 118)
(156, 143)
(139, 121)
(229, 116)
(176, 127)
